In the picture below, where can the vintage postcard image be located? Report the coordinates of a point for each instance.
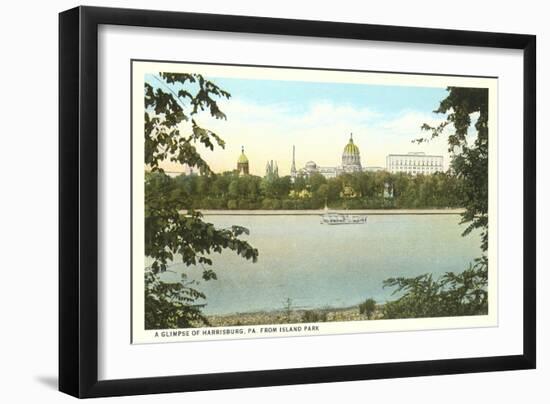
(276, 202)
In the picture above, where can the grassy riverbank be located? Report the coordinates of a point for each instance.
(313, 212)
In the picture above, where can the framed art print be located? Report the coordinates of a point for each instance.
(249, 201)
(287, 246)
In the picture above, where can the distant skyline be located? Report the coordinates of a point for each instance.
(268, 117)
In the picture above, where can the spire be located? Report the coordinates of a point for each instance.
(293, 171)
(242, 149)
(351, 137)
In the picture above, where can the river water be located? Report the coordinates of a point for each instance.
(319, 266)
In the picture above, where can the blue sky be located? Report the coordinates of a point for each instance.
(268, 117)
(387, 100)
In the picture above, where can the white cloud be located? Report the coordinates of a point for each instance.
(320, 133)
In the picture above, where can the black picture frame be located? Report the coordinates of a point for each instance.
(78, 200)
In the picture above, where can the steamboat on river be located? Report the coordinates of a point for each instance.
(340, 218)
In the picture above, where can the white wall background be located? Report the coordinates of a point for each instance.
(28, 199)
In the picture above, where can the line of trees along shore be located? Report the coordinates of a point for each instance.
(366, 190)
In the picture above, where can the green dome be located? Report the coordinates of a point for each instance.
(351, 148)
(242, 158)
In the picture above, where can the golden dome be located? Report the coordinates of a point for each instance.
(242, 158)
(351, 148)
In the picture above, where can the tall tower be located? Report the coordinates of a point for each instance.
(293, 172)
(242, 163)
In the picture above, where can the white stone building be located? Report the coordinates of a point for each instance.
(414, 163)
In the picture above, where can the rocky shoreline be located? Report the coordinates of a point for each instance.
(291, 316)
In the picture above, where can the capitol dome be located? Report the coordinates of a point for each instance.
(311, 165)
(351, 159)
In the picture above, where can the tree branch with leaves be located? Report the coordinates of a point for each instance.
(470, 161)
(173, 230)
(464, 293)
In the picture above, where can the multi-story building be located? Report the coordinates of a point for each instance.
(414, 163)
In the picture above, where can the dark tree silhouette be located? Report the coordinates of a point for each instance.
(172, 228)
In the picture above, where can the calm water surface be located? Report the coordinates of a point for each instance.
(318, 265)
